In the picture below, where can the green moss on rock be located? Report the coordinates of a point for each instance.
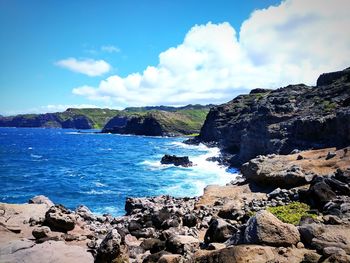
(291, 213)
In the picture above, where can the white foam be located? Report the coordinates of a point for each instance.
(98, 184)
(200, 147)
(155, 165)
(35, 156)
(102, 192)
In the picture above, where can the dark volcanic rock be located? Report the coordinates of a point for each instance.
(59, 218)
(176, 160)
(279, 121)
(109, 249)
(138, 125)
(47, 120)
(219, 231)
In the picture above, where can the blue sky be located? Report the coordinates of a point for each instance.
(62, 53)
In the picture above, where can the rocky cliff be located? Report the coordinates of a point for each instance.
(69, 119)
(279, 121)
(158, 123)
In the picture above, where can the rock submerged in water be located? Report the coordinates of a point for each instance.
(176, 160)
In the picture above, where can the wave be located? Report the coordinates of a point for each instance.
(98, 184)
(101, 192)
(156, 165)
(36, 156)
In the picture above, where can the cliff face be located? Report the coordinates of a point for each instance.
(279, 121)
(71, 118)
(158, 123)
(48, 120)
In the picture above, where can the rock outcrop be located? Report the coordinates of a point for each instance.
(295, 169)
(264, 228)
(176, 160)
(158, 123)
(279, 121)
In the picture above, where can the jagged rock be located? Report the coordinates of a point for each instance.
(144, 233)
(109, 248)
(176, 160)
(154, 245)
(181, 244)
(59, 218)
(85, 213)
(41, 199)
(321, 193)
(219, 231)
(189, 220)
(319, 236)
(265, 228)
(279, 121)
(41, 232)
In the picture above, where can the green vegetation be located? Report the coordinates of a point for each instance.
(291, 213)
(177, 121)
(329, 106)
(98, 117)
(181, 121)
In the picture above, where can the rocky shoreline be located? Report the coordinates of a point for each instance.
(293, 207)
(240, 222)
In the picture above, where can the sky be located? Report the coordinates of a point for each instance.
(59, 54)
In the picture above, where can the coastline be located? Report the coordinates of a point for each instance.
(162, 228)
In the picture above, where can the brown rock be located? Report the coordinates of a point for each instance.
(59, 218)
(265, 228)
(241, 254)
(41, 231)
(170, 259)
(41, 199)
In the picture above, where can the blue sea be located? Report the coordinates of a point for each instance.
(99, 170)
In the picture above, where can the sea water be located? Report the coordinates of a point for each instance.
(99, 170)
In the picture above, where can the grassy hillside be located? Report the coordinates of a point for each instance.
(184, 120)
(98, 117)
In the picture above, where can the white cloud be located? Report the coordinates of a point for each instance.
(110, 49)
(88, 67)
(293, 42)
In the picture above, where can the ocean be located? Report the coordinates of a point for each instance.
(99, 170)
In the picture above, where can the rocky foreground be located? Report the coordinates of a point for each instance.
(302, 214)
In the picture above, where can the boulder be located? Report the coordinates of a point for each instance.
(265, 228)
(236, 254)
(219, 231)
(59, 218)
(85, 213)
(176, 160)
(41, 199)
(181, 244)
(41, 232)
(174, 258)
(189, 220)
(273, 172)
(321, 193)
(320, 236)
(109, 248)
(154, 245)
(155, 257)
